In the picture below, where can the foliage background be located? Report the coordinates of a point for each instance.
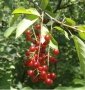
(12, 51)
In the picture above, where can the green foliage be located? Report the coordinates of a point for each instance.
(63, 31)
(13, 75)
(70, 22)
(82, 34)
(80, 47)
(44, 3)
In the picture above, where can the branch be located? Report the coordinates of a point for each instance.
(71, 4)
(58, 6)
(61, 23)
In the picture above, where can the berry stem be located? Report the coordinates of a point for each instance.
(34, 33)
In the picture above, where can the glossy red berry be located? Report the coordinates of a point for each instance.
(32, 48)
(36, 64)
(44, 68)
(53, 75)
(37, 26)
(55, 51)
(30, 73)
(34, 79)
(43, 74)
(28, 32)
(27, 53)
(47, 37)
(29, 38)
(48, 75)
(53, 59)
(49, 81)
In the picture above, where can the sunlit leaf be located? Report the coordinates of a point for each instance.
(26, 11)
(9, 31)
(13, 18)
(81, 34)
(44, 4)
(80, 48)
(70, 22)
(63, 31)
(53, 43)
(24, 24)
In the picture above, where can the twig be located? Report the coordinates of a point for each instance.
(70, 27)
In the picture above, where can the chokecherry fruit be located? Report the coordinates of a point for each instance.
(28, 32)
(27, 53)
(37, 26)
(47, 37)
(49, 81)
(34, 79)
(32, 48)
(43, 74)
(53, 75)
(55, 51)
(30, 73)
(29, 38)
(36, 64)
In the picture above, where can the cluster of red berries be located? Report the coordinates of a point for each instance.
(37, 58)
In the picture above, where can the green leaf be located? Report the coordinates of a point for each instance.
(80, 48)
(63, 31)
(24, 24)
(50, 13)
(70, 22)
(13, 19)
(9, 3)
(21, 10)
(81, 34)
(44, 4)
(79, 81)
(26, 88)
(9, 31)
(70, 88)
(26, 11)
(53, 43)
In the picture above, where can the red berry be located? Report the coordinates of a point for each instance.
(32, 48)
(28, 32)
(48, 75)
(43, 74)
(30, 72)
(47, 37)
(40, 68)
(49, 81)
(56, 51)
(53, 75)
(31, 63)
(27, 53)
(28, 38)
(37, 26)
(44, 68)
(36, 64)
(44, 21)
(53, 59)
(34, 79)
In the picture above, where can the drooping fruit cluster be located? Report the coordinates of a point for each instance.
(38, 58)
